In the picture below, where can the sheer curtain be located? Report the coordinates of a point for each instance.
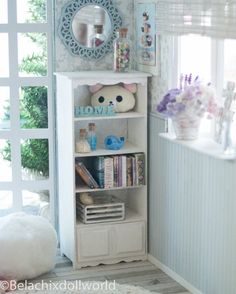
(214, 18)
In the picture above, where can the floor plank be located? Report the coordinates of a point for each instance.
(143, 274)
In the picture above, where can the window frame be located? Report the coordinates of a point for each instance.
(16, 134)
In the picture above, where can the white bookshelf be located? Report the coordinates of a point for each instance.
(110, 242)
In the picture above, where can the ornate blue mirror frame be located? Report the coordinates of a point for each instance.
(66, 34)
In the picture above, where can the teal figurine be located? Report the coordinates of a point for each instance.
(114, 143)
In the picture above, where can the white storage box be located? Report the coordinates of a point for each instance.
(105, 208)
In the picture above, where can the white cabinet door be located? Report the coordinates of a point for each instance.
(129, 239)
(93, 243)
(101, 242)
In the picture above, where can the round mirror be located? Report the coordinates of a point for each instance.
(88, 27)
(91, 26)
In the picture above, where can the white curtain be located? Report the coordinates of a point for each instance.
(215, 18)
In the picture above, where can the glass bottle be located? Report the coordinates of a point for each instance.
(122, 51)
(227, 140)
(82, 146)
(98, 38)
(92, 137)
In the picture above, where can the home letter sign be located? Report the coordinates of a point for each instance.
(94, 111)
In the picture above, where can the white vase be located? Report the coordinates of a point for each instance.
(186, 127)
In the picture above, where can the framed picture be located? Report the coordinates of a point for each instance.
(146, 39)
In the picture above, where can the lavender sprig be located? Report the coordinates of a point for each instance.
(192, 98)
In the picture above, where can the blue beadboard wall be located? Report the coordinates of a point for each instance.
(192, 214)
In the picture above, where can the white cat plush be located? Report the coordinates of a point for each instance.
(121, 96)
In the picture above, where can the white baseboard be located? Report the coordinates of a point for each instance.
(173, 275)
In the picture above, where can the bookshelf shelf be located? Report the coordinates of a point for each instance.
(85, 189)
(129, 148)
(108, 242)
(126, 115)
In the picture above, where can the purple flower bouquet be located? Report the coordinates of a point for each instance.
(187, 105)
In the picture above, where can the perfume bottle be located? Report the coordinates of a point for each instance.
(122, 51)
(82, 146)
(92, 137)
(98, 38)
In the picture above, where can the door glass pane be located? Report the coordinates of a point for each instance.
(31, 11)
(5, 161)
(6, 202)
(36, 202)
(33, 107)
(4, 108)
(4, 56)
(34, 159)
(3, 11)
(32, 54)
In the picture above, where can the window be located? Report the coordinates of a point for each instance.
(195, 56)
(26, 106)
(230, 75)
(213, 60)
(230, 63)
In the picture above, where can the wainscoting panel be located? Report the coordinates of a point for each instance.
(192, 214)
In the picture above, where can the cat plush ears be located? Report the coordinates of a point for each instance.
(130, 87)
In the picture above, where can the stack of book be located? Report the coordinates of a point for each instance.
(120, 171)
(114, 171)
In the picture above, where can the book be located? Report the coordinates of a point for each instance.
(123, 171)
(129, 170)
(119, 171)
(86, 175)
(133, 171)
(115, 167)
(99, 171)
(108, 173)
(140, 169)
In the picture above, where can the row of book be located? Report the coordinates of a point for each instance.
(114, 171)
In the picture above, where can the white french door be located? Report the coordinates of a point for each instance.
(26, 107)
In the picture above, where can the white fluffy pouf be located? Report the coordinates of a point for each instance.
(28, 246)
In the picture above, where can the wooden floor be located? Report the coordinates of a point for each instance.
(141, 273)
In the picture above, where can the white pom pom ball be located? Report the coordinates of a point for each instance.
(28, 246)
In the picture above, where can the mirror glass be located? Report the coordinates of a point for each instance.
(88, 27)
(91, 26)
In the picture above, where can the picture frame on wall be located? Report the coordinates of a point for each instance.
(146, 36)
